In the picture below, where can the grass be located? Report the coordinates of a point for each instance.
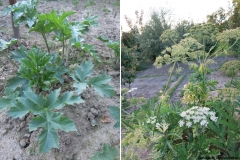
(155, 75)
(173, 89)
(90, 3)
(0, 2)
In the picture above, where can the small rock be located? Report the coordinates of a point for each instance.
(114, 73)
(85, 96)
(93, 122)
(90, 115)
(94, 111)
(22, 124)
(67, 142)
(4, 131)
(27, 135)
(103, 109)
(68, 156)
(22, 142)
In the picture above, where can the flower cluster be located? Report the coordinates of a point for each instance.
(197, 115)
(162, 127)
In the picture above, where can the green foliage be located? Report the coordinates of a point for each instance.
(220, 19)
(81, 74)
(128, 64)
(173, 89)
(183, 28)
(90, 3)
(115, 112)
(115, 46)
(149, 38)
(205, 34)
(46, 119)
(4, 45)
(33, 89)
(231, 68)
(24, 12)
(231, 37)
(107, 153)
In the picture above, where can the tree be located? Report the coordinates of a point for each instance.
(205, 33)
(149, 43)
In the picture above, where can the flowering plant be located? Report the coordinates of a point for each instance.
(197, 116)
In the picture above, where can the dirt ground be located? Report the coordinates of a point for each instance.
(82, 144)
(150, 81)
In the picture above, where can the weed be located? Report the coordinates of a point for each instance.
(90, 3)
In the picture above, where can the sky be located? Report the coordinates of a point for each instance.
(195, 10)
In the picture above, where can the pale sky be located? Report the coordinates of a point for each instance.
(195, 10)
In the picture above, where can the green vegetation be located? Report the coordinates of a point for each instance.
(38, 87)
(202, 125)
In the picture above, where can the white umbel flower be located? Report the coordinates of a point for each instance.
(197, 115)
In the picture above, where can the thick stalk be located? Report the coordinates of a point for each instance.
(45, 40)
(159, 106)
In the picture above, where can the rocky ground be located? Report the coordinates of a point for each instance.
(16, 142)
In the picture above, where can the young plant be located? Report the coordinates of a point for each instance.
(33, 89)
(115, 46)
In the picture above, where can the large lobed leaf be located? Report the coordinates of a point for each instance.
(107, 153)
(115, 112)
(46, 119)
(99, 83)
(4, 44)
(50, 121)
(24, 12)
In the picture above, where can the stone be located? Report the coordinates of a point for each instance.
(94, 111)
(22, 142)
(90, 116)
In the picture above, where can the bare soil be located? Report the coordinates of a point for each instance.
(81, 145)
(150, 81)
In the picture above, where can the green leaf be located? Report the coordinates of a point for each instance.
(16, 82)
(19, 54)
(18, 111)
(24, 12)
(48, 139)
(66, 98)
(50, 121)
(80, 87)
(113, 45)
(98, 83)
(107, 153)
(4, 103)
(115, 112)
(91, 50)
(84, 71)
(4, 44)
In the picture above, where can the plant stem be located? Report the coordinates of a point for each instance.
(63, 42)
(13, 63)
(159, 106)
(45, 40)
